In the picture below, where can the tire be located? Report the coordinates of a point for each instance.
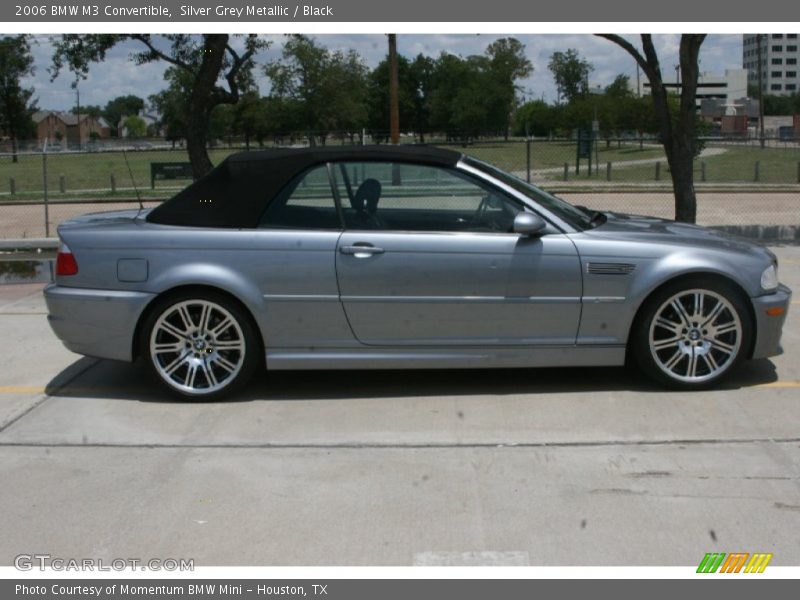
(692, 334)
(200, 345)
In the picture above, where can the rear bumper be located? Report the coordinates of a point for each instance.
(99, 323)
(768, 328)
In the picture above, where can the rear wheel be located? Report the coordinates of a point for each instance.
(692, 334)
(201, 345)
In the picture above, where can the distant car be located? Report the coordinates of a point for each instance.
(141, 145)
(403, 257)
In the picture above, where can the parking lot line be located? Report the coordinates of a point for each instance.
(21, 389)
(780, 384)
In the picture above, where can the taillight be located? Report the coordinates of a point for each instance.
(65, 261)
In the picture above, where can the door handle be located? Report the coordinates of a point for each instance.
(361, 251)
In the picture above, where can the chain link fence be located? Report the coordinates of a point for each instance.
(739, 182)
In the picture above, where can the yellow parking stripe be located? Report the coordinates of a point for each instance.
(780, 384)
(20, 389)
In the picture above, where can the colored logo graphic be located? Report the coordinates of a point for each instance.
(735, 562)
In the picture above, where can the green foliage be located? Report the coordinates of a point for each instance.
(571, 74)
(329, 88)
(135, 126)
(171, 104)
(16, 102)
(781, 105)
(120, 107)
(619, 114)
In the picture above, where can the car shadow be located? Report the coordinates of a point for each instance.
(93, 378)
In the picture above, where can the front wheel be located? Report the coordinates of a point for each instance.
(692, 334)
(200, 345)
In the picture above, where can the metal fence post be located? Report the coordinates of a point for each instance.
(62, 184)
(703, 171)
(758, 171)
(658, 170)
(46, 204)
(608, 171)
(12, 185)
(566, 171)
(113, 184)
(798, 172)
(528, 158)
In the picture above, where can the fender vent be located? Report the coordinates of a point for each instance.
(596, 268)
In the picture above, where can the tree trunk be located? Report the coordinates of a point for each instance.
(681, 165)
(201, 101)
(14, 157)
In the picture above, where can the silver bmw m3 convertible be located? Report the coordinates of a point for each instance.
(403, 257)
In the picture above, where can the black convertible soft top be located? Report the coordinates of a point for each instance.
(236, 192)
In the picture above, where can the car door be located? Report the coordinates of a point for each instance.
(428, 258)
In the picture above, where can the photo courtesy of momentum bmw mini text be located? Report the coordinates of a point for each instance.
(344, 300)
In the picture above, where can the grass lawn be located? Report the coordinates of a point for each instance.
(89, 175)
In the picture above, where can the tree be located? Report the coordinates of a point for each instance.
(170, 104)
(571, 74)
(248, 116)
(677, 127)
(329, 88)
(507, 65)
(16, 104)
(204, 60)
(135, 126)
(620, 87)
(119, 107)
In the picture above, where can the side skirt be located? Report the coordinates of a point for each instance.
(466, 358)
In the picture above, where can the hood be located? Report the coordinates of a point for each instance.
(652, 229)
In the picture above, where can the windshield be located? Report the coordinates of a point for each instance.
(573, 215)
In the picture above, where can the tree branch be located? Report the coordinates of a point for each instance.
(630, 49)
(155, 52)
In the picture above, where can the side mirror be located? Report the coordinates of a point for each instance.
(529, 224)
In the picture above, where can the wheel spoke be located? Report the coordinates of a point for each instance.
(191, 375)
(173, 331)
(726, 328)
(229, 345)
(173, 366)
(721, 346)
(667, 324)
(715, 312)
(698, 304)
(666, 343)
(674, 360)
(205, 314)
(679, 308)
(225, 363)
(208, 371)
(691, 368)
(166, 348)
(188, 324)
(711, 362)
(222, 326)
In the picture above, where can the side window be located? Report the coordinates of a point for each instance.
(407, 197)
(305, 203)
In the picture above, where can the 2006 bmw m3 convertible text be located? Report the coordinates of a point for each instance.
(403, 257)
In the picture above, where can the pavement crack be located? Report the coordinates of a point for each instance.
(393, 446)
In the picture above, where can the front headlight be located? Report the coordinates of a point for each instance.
(769, 278)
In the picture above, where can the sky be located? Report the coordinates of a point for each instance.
(119, 76)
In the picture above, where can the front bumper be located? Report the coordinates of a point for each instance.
(768, 328)
(99, 323)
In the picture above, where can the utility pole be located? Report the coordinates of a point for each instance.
(760, 93)
(78, 109)
(394, 106)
